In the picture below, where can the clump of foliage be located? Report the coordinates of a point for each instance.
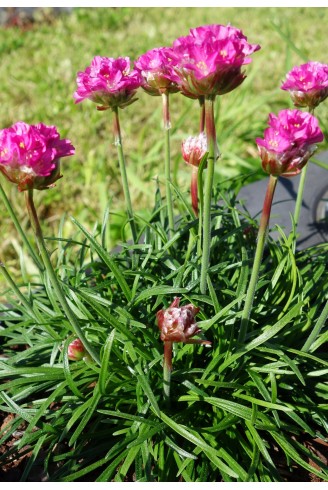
(82, 364)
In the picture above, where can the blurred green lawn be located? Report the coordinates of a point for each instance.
(37, 81)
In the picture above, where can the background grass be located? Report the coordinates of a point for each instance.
(37, 81)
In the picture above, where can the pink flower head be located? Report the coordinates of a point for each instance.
(178, 324)
(209, 60)
(194, 148)
(218, 32)
(30, 155)
(108, 82)
(307, 84)
(156, 69)
(76, 350)
(288, 142)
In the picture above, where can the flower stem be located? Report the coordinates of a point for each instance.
(201, 207)
(20, 229)
(167, 369)
(300, 192)
(201, 100)
(194, 190)
(261, 237)
(299, 198)
(53, 278)
(167, 126)
(121, 159)
(212, 156)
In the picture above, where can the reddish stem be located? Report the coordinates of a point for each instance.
(261, 237)
(167, 368)
(168, 354)
(194, 190)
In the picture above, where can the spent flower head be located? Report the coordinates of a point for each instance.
(30, 155)
(307, 84)
(156, 69)
(194, 149)
(209, 60)
(178, 324)
(288, 142)
(108, 82)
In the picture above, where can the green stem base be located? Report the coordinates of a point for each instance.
(53, 278)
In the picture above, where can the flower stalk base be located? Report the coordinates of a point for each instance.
(20, 229)
(53, 278)
(167, 369)
(194, 190)
(212, 156)
(167, 126)
(124, 177)
(262, 233)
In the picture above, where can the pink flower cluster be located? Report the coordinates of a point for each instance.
(206, 62)
(108, 82)
(178, 324)
(29, 155)
(209, 60)
(307, 84)
(288, 142)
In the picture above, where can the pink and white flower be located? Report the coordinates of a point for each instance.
(156, 69)
(307, 84)
(108, 82)
(178, 324)
(30, 155)
(209, 60)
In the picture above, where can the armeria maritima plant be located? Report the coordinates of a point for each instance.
(232, 409)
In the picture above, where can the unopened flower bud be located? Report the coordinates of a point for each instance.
(76, 350)
(194, 149)
(178, 324)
